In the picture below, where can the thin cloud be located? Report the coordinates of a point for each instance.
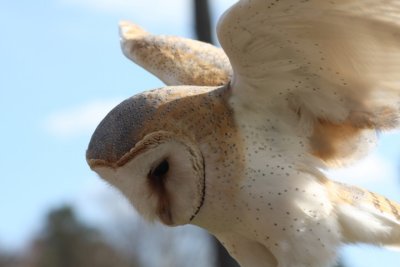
(122, 6)
(78, 120)
(368, 172)
(152, 11)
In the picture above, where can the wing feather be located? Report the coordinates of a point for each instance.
(175, 60)
(334, 64)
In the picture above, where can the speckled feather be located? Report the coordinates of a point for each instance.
(312, 83)
(175, 60)
(335, 64)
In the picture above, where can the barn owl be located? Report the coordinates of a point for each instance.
(238, 140)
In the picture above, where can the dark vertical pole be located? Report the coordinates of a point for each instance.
(203, 21)
(223, 259)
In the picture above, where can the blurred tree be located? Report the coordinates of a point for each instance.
(7, 260)
(67, 242)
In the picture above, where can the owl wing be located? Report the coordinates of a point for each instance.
(175, 60)
(330, 67)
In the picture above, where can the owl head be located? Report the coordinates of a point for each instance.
(159, 169)
(151, 147)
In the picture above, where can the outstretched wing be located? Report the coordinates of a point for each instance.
(175, 60)
(334, 65)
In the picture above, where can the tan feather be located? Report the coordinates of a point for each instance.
(175, 60)
(366, 216)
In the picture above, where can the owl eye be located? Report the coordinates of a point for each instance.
(160, 171)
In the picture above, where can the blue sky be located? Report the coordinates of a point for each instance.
(61, 70)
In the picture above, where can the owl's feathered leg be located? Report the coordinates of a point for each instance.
(366, 217)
